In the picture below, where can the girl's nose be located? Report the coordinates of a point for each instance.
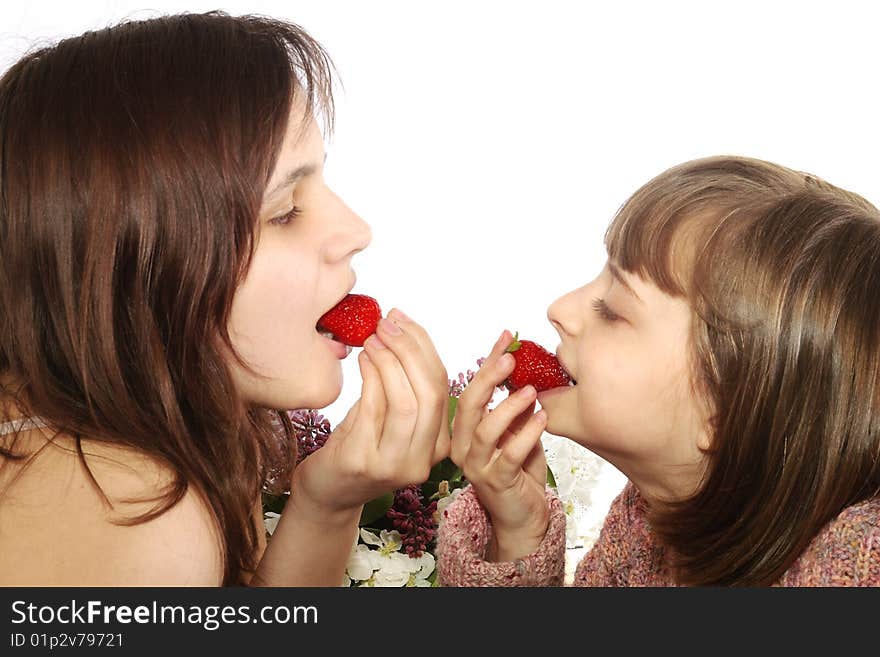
(362, 234)
(560, 316)
(353, 234)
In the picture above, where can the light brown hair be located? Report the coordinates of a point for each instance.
(782, 271)
(133, 161)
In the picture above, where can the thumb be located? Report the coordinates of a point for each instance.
(444, 441)
(345, 426)
(536, 464)
(372, 404)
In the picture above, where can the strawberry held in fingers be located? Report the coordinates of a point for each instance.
(352, 320)
(534, 366)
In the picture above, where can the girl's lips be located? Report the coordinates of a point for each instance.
(553, 391)
(566, 370)
(341, 350)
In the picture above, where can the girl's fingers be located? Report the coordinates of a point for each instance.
(444, 440)
(402, 409)
(371, 405)
(535, 465)
(509, 460)
(519, 421)
(357, 436)
(495, 369)
(426, 345)
(489, 432)
(472, 403)
(427, 377)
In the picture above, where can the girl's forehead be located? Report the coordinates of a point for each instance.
(658, 260)
(629, 282)
(645, 294)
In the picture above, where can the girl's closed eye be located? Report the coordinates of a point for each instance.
(604, 311)
(286, 218)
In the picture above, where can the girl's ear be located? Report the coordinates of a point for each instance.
(704, 439)
(707, 432)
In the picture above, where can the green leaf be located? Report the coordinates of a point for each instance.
(515, 345)
(460, 483)
(445, 469)
(551, 480)
(376, 508)
(453, 406)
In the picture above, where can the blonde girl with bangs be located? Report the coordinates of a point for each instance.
(727, 361)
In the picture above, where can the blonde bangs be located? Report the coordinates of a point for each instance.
(656, 232)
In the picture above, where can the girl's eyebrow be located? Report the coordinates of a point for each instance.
(618, 276)
(294, 175)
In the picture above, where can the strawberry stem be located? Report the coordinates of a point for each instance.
(515, 345)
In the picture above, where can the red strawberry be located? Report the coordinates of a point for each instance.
(352, 320)
(534, 366)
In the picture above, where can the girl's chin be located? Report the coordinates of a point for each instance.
(553, 401)
(569, 433)
(328, 394)
(321, 393)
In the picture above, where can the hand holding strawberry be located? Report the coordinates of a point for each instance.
(500, 452)
(398, 428)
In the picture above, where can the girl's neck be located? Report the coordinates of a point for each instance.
(660, 482)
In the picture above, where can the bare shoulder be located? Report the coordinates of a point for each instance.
(56, 528)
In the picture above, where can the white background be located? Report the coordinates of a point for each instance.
(489, 143)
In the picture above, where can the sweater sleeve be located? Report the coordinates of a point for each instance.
(464, 536)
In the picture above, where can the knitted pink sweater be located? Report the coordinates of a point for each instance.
(845, 553)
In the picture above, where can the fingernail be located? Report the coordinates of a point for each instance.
(504, 337)
(527, 391)
(389, 327)
(399, 314)
(505, 361)
(374, 342)
(541, 416)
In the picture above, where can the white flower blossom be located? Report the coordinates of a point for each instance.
(360, 564)
(378, 562)
(586, 484)
(426, 564)
(576, 472)
(390, 569)
(386, 541)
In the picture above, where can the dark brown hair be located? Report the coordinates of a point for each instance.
(782, 271)
(133, 161)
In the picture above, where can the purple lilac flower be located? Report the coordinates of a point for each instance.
(414, 520)
(311, 430)
(457, 386)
